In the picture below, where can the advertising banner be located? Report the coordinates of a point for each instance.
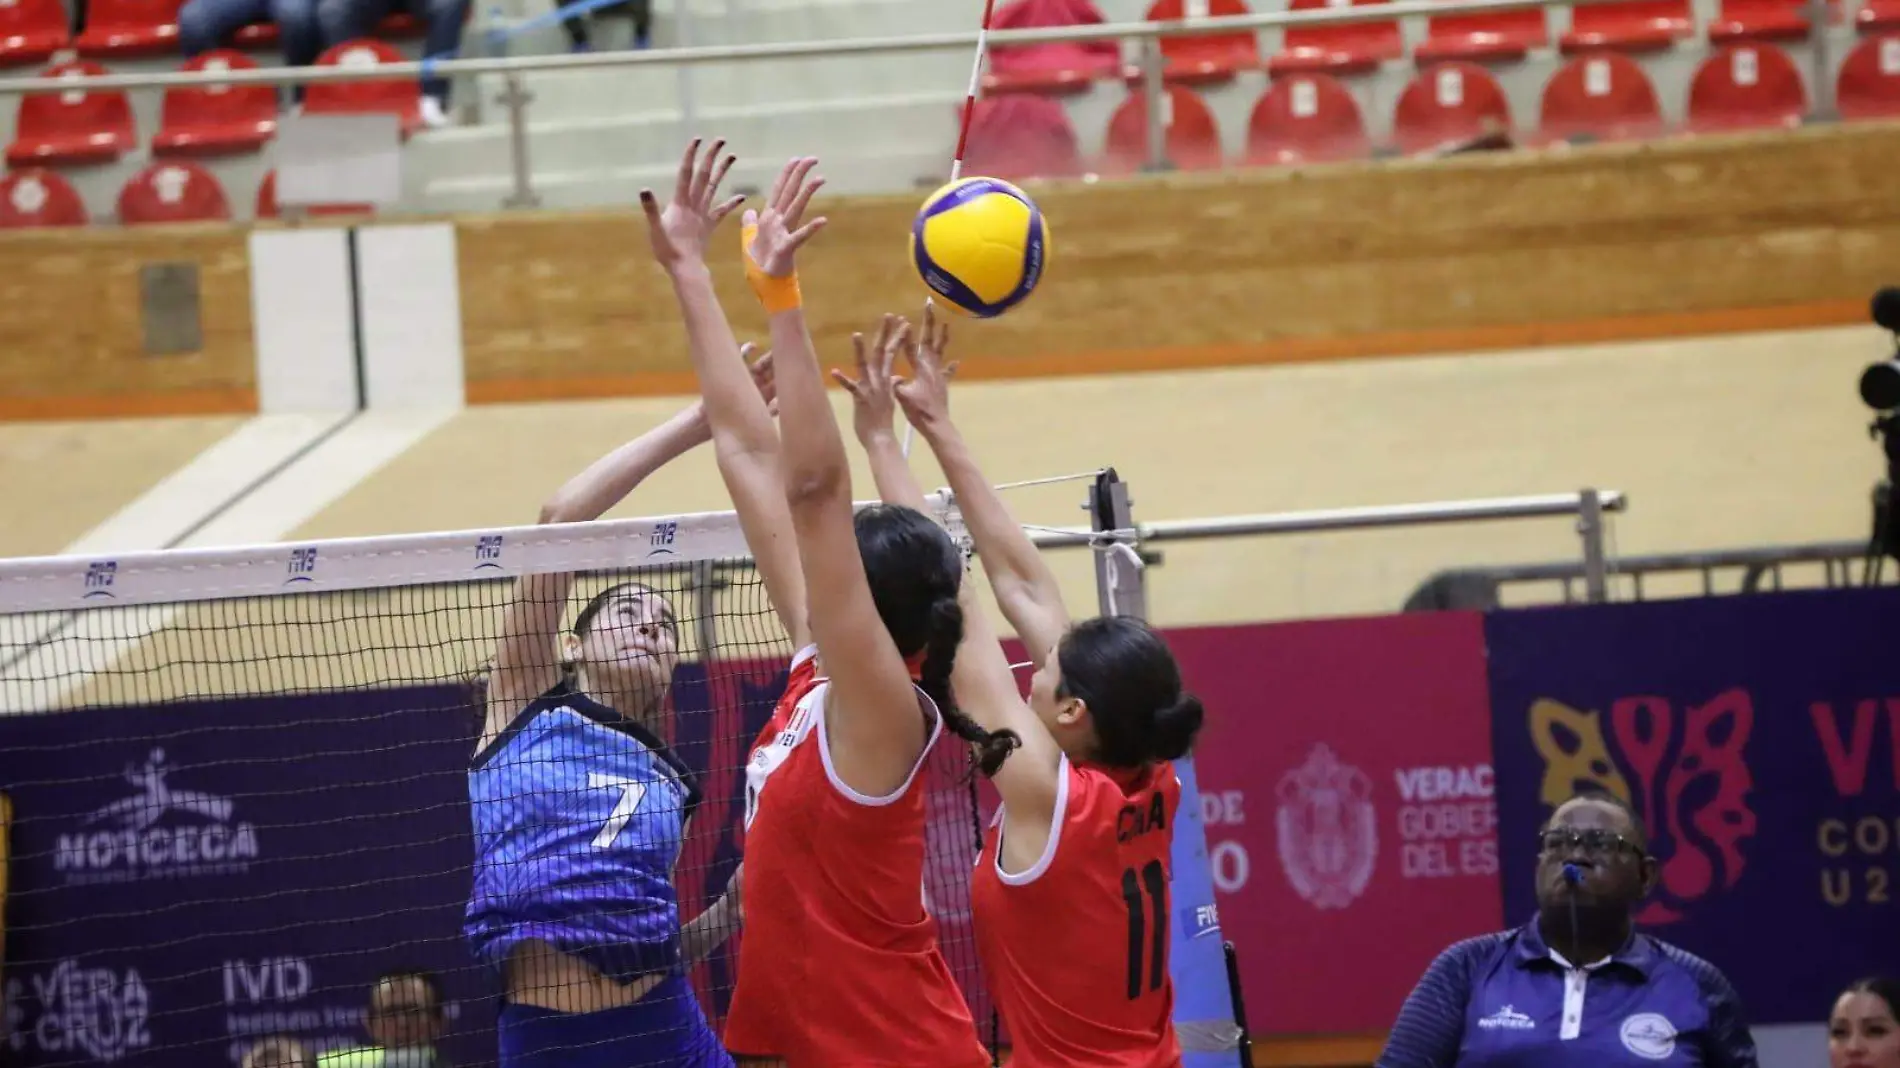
(1758, 737)
(191, 877)
(1345, 778)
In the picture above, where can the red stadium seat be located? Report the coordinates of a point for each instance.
(1877, 16)
(1019, 135)
(1192, 141)
(1746, 87)
(256, 36)
(1347, 49)
(1209, 58)
(1632, 26)
(1604, 97)
(35, 198)
(216, 119)
(267, 202)
(31, 31)
(1307, 118)
(172, 191)
(122, 28)
(75, 126)
(1869, 83)
(1759, 20)
(401, 97)
(399, 25)
(1448, 104)
(1055, 67)
(1504, 35)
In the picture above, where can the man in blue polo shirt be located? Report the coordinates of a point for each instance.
(1576, 987)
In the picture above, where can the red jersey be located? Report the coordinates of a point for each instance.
(839, 965)
(1075, 948)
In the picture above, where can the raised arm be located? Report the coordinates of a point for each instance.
(874, 413)
(744, 439)
(871, 715)
(1025, 588)
(527, 658)
(985, 689)
(987, 693)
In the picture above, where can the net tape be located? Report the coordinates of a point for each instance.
(64, 583)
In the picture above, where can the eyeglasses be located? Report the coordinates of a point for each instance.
(1561, 839)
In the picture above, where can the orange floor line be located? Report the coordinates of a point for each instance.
(129, 405)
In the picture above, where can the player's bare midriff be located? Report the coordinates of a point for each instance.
(546, 978)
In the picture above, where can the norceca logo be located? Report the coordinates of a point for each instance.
(158, 832)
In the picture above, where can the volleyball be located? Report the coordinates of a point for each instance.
(980, 245)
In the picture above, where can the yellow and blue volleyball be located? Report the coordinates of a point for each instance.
(980, 245)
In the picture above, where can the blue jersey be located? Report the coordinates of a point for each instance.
(578, 815)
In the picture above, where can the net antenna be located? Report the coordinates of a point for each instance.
(976, 81)
(963, 130)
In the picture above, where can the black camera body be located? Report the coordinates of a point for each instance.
(1880, 390)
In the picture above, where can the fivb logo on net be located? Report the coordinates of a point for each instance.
(158, 832)
(660, 542)
(101, 1012)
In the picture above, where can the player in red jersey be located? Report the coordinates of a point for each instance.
(1070, 894)
(839, 966)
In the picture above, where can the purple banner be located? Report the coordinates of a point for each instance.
(1758, 736)
(190, 877)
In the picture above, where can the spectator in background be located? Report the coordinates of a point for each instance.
(278, 1051)
(1577, 987)
(1863, 1031)
(639, 12)
(207, 24)
(444, 20)
(405, 1023)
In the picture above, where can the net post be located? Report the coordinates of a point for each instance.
(1205, 993)
(1120, 589)
(1590, 530)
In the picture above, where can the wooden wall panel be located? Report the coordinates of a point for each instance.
(1237, 268)
(1256, 266)
(70, 313)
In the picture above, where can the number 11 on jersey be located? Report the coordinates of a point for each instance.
(1147, 937)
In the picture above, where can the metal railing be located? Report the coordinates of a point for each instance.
(1762, 569)
(1146, 36)
(1588, 506)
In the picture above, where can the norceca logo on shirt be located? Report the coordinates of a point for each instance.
(1507, 1019)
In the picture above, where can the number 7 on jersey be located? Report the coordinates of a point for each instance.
(631, 792)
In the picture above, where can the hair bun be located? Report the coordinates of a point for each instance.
(1176, 726)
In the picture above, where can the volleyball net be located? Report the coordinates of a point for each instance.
(253, 801)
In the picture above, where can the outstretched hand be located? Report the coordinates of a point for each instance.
(774, 234)
(924, 394)
(680, 233)
(873, 398)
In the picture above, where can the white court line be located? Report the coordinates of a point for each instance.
(162, 516)
(74, 646)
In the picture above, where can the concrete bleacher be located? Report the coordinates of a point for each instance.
(881, 122)
(887, 123)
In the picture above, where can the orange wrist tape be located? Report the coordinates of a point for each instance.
(777, 294)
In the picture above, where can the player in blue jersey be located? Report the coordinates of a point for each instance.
(580, 810)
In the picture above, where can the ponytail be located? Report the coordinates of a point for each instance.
(940, 656)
